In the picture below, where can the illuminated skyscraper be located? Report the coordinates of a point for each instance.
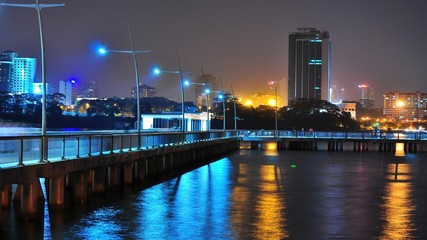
(309, 64)
(16, 74)
(367, 100)
(6, 66)
(69, 89)
(91, 89)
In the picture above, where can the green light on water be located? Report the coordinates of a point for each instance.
(293, 165)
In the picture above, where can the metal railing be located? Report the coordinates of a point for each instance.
(359, 135)
(23, 150)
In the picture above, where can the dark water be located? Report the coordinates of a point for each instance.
(258, 195)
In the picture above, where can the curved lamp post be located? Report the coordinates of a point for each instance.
(38, 8)
(222, 97)
(158, 71)
(207, 91)
(134, 52)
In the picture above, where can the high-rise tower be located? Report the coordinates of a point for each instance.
(16, 74)
(6, 66)
(309, 64)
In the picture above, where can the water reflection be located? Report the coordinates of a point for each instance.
(254, 195)
(187, 207)
(398, 208)
(270, 205)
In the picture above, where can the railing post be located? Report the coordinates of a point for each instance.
(41, 150)
(112, 144)
(78, 147)
(21, 152)
(63, 148)
(90, 146)
(100, 150)
(130, 142)
(121, 143)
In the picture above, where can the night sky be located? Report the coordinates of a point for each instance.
(242, 41)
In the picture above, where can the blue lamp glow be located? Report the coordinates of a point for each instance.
(156, 71)
(220, 96)
(207, 91)
(73, 81)
(186, 83)
(102, 51)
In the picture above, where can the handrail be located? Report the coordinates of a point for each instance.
(26, 149)
(362, 135)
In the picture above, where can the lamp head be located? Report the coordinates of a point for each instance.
(102, 51)
(156, 71)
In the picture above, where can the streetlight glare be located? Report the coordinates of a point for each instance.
(156, 71)
(220, 96)
(102, 51)
(186, 83)
(207, 90)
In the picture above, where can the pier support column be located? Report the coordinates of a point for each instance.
(5, 195)
(98, 181)
(56, 192)
(80, 187)
(113, 177)
(128, 173)
(140, 169)
(29, 198)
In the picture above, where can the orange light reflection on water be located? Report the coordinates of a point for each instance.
(271, 222)
(398, 208)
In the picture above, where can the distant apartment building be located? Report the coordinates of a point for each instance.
(367, 98)
(145, 91)
(402, 105)
(16, 74)
(350, 107)
(91, 89)
(69, 89)
(309, 64)
(6, 66)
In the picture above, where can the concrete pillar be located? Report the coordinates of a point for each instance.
(113, 177)
(128, 173)
(98, 180)
(80, 186)
(56, 192)
(5, 195)
(140, 169)
(29, 198)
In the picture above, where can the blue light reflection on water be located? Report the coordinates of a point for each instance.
(187, 207)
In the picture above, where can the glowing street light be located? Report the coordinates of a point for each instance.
(221, 97)
(104, 51)
(38, 8)
(182, 82)
(207, 91)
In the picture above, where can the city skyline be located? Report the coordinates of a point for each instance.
(243, 42)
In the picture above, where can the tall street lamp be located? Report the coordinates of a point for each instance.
(38, 8)
(158, 71)
(207, 91)
(221, 96)
(104, 51)
(234, 106)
